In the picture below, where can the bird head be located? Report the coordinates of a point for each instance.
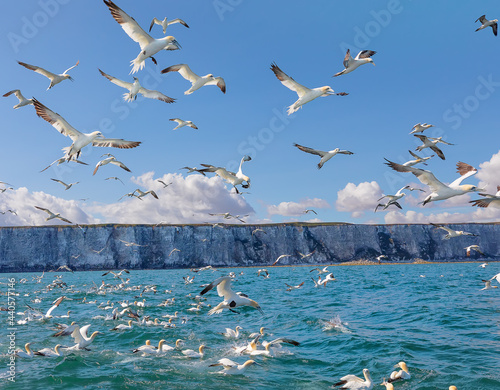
(97, 134)
(471, 188)
(67, 76)
(327, 90)
(256, 305)
(370, 60)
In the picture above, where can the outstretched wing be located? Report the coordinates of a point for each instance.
(310, 150)
(38, 70)
(348, 58)
(288, 82)
(115, 143)
(56, 120)
(150, 94)
(365, 54)
(219, 81)
(425, 177)
(116, 81)
(465, 171)
(184, 70)
(74, 66)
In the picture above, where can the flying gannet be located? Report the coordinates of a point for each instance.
(110, 160)
(149, 45)
(22, 100)
(135, 88)
(325, 156)
(471, 248)
(80, 140)
(62, 160)
(165, 23)
(363, 57)
(52, 215)
(452, 233)
(68, 186)
(235, 179)
(305, 94)
(488, 200)
(181, 123)
(429, 142)
(54, 78)
(196, 81)
(488, 23)
(420, 128)
(441, 191)
(417, 160)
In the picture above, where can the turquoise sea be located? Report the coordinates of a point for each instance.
(431, 316)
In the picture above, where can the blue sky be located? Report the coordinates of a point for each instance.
(430, 67)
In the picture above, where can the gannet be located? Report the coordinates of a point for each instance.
(28, 354)
(52, 215)
(68, 186)
(441, 191)
(484, 265)
(267, 345)
(149, 46)
(80, 140)
(290, 288)
(150, 349)
(81, 339)
(317, 283)
(420, 127)
(196, 81)
(255, 334)
(452, 233)
(123, 326)
(22, 100)
(165, 185)
(393, 199)
(193, 169)
(305, 94)
(64, 159)
(54, 78)
(353, 382)
(487, 285)
(230, 216)
(488, 200)
(311, 210)
(417, 160)
(264, 272)
(173, 250)
(488, 23)
(116, 275)
(193, 354)
(350, 63)
(388, 385)
(470, 248)
(166, 348)
(497, 277)
(232, 333)
(323, 270)
(114, 178)
(429, 142)
(135, 88)
(304, 256)
(401, 374)
(233, 368)
(258, 230)
(452, 388)
(231, 299)
(235, 179)
(327, 279)
(110, 160)
(165, 23)
(143, 347)
(181, 123)
(325, 156)
(279, 258)
(47, 352)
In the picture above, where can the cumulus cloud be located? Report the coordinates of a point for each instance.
(488, 174)
(478, 215)
(22, 202)
(293, 209)
(358, 198)
(186, 200)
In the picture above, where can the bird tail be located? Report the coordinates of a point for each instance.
(128, 97)
(292, 109)
(216, 310)
(137, 63)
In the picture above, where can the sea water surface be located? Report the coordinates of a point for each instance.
(431, 316)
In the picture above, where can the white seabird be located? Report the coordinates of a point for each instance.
(54, 78)
(393, 199)
(488, 23)
(363, 57)
(68, 186)
(305, 94)
(429, 142)
(325, 156)
(231, 299)
(62, 160)
(80, 140)
(28, 354)
(165, 23)
(471, 248)
(196, 81)
(488, 200)
(110, 160)
(81, 339)
(149, 45)
(52, 215)
(417, 160)
(135, 88)
(47, 352)
(235, 179)
(22, 100)
(404, 373)
(181, 123)
(232, 333)
(487, 285)
(233, 368)
(268, 351)
(441, 191)
(452, 233)
(193, 354)
(353, 382)
(420, 128)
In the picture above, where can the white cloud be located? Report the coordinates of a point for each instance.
(186, 200)
(22, 202)
(489, 174)
(478, 215)
(290, 209)
(358, 198)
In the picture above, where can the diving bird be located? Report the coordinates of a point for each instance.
(22, 100)
(135, 88)
(110, 160)
(404, 373)
(420, 128)
(363, 57)
(325, 156)
(181, 123)
(231, 299)
(80, 140)
(417, 160)
(165, 23)
(429, 142)
(52, 215)
(149, 45)
(452, 233)
(353, 382)
(471, 248)
(54, 78)
(441, 191)
(488, 23)
(305, 94)
(232, 178)
(488, 200)
(68, 186)
(196, 81)
(233, 368)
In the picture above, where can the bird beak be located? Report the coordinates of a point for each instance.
(71, 78)
(373, 63)
(260, 310)
(258, 364)
(177, 44)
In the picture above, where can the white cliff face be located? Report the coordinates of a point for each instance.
(103, 246)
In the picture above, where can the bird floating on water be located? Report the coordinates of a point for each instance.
(22, 100)
(350, 64)
(196, 81)
(233, 368)
(54, 78)
(305, 94)
(488, 23)
(353, 382)
(404, 373)
(325, 156)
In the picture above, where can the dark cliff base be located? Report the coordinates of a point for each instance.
(98, 247)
